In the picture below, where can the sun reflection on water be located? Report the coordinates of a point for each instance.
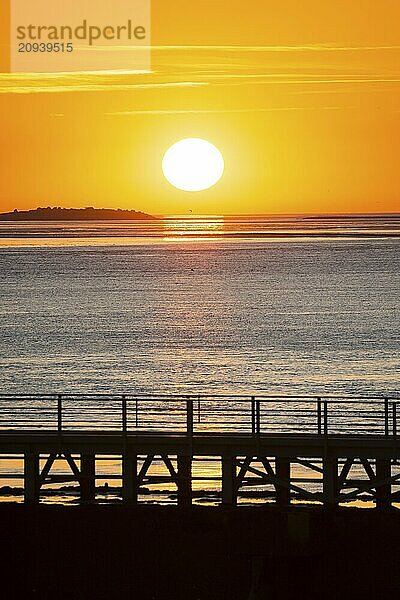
(181, 227)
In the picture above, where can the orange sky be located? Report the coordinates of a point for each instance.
(300, 97)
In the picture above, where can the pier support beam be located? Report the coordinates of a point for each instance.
(31, 477)
(383, 492)
(282, 472)
(87, 478)
(229, 494)
(330, 480)
(129, 479)
(184, 479)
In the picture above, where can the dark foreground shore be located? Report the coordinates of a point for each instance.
(157, 553)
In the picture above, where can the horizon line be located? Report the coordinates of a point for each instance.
(215, 215)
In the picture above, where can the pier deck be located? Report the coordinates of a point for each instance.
(256, 440)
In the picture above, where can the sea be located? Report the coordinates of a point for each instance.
(296, 305)
(195, 305)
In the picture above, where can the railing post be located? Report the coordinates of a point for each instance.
(253, 414)
(124, 416)
(394, 408)
(386, 416)
(189, 416)
(59, 413)
(325, 417)
(319, 416)
(258, 417)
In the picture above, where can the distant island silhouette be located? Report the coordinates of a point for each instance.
(75, 214)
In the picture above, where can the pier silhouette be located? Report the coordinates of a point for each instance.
(256, 439)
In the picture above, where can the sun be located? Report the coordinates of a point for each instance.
(193, 165)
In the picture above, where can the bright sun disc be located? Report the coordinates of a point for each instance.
(193, 165)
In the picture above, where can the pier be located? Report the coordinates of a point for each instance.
(257, 441)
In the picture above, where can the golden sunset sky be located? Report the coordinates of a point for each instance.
(301, 98)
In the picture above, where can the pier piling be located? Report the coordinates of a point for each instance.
(330, 480)
(383, 488)
(31, 477)
(129, 478)
(88, 477)
(184, 479)
(282, 471)
(229, 495)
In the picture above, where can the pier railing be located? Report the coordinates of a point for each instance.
(200, 414)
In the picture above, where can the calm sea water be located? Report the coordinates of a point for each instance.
(290, 306)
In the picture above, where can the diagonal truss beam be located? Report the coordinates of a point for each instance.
(168, 463)
(145, 467)
(269, 477)
(309, 464)
(45, 473)
(369, 486)
(47, 467)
